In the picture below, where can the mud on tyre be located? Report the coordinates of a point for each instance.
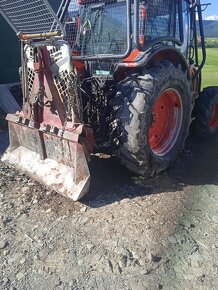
(152, 115)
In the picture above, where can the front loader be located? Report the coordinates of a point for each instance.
(117, 76)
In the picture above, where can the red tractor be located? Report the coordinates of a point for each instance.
(119, 76)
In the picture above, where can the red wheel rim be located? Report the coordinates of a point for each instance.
(167, 119)
(214, 120)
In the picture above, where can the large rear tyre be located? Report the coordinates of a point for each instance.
(205, 124)
(152, 115)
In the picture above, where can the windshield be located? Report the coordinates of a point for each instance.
(103, 29)
(158, 19)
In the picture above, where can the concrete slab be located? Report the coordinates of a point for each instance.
(7, 101)
(4, 141)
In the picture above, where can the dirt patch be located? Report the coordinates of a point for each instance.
(127, 233)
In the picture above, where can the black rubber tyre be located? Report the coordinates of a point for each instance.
(132, 112)
(3, 122)
(205, 113)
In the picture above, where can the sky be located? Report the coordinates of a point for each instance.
(211, 12)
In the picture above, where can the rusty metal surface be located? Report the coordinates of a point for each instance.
(58, 163)
(69, 134)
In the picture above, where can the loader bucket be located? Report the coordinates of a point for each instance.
(54, 159)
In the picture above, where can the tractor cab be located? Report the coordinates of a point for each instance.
(131, 33)
(114, 28)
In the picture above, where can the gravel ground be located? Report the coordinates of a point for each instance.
(127, 233)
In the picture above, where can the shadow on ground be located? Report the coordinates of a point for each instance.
(197, 165)
(111, 182)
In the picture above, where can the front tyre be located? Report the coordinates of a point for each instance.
(205, 113)
(152, 115)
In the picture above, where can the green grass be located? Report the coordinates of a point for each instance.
(212, 42)
(210, 70)
(211, 39)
